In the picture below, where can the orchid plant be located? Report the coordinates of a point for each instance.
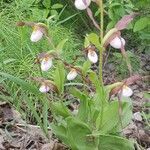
(95, 117)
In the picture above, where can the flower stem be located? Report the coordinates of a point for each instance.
(101, 38)
(101, 58)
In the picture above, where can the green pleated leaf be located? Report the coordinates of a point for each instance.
(59, 77)
(78, 132)
(58, 108)
(110, 142)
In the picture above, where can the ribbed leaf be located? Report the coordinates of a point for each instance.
(110, 142)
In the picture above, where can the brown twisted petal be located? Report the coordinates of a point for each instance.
(90, 48)
(38, 79)
(90, 14)
(39, 26)
(40, 56)
(22, 23)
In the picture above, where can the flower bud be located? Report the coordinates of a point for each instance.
(126, 91)
(37, 34)
(81, 5)
(92, 56)
(117, 42)
(44, 88)
(46, 63)
(72, 74)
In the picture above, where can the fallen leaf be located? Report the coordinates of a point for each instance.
(48, 146)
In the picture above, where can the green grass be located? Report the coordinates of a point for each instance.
(121, 66)
(17, 49)
(17, 59)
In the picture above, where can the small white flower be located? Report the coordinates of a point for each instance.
(72, 74)
(126, 91)
(92, 56)
(117, 42)
(44, 89)
(46, 63)
(36, 35)
(79, 4)
(75, 112)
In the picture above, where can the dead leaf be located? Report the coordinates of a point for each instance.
(1, 141)
(48, 146)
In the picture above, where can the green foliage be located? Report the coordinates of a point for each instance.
(120, 65)
(18, 55)
(95, 123)
(99, 121)
(146, 115)
(60, 46)
(86, 67)
(107, 142)
(92, 38)
(59, 77)
(22, 83)
(78, 131)
(141, 24)
(58, 108)
(31, 90)
(117, 9)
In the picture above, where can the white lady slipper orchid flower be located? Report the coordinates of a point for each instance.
(117, 42)
(46, 63)
(72, 74)
(37, 34)
(92, 56)
(126, 91)
(79, 4)
(75, 112)
(44, 89)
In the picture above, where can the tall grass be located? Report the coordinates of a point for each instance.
(17, 60)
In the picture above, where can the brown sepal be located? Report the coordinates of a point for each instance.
(125, 20)
(22, 23)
